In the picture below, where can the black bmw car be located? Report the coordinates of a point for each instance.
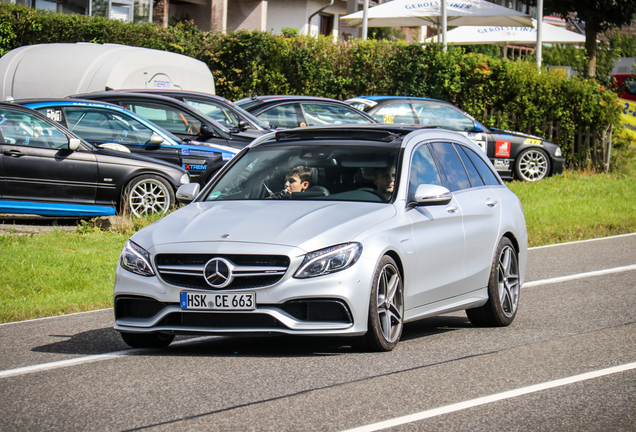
(47, 170)
(514, 154)
(178, 117)
(216, 107)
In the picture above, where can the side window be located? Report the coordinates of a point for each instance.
(283, 116)
(451, 167)
(473, 175)
(442, 115)
(25, 129)
(216, 112)
(96, 124)
(423, 170)
(317, 114)
(485, 172)
(395, 113)
(171, 119)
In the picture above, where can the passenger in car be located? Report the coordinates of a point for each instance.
(384, 180)
(297, 180)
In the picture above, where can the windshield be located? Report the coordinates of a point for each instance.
(311, 172)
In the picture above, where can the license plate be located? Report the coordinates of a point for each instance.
(218, 301)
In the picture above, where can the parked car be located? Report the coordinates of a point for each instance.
(177, 117)
(102, 124)
(216, 107)
(47, 170)
(342, 231)
(514, 154)
(283, 112)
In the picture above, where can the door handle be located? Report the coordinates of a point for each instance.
(491, 202)
(452, 209)
(13, 153)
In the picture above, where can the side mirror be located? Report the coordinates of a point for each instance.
(429, 194)
(206, 131)
(73, 144)
(242, 125)
(188, 192)
(478, 127)
(156, 139)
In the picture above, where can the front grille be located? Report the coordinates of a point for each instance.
(249, 271)
(137, 307)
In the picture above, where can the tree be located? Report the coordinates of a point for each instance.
(599, 16)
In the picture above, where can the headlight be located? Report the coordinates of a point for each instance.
(329, 260)
(185, 179)
(136, 259)
(557, 152)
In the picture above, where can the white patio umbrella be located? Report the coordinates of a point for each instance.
(415, 13)
(477, 35)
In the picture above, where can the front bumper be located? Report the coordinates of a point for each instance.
(333, 304)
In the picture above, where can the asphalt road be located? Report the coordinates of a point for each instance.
(568, 363)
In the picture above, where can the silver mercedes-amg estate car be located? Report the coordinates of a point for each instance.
(346, 231)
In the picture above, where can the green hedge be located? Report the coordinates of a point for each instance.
(244, 63)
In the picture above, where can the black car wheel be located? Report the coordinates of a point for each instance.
(147, 194)
(386, 308)
(532, 164)
(147, 340)
(503, 290)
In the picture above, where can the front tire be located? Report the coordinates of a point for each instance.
(386, 308)
(503, 290)
(147, 340)
(147, 194)
(532, 164)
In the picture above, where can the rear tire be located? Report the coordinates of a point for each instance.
(503, 290)
(386, 308)
(147, 194)
(147, 340)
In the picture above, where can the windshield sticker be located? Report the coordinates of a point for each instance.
(214, 195)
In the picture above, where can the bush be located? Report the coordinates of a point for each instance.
(244, 63)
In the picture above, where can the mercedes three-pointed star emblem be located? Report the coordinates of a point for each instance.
(218, 272)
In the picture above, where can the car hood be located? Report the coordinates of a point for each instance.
(309, 225)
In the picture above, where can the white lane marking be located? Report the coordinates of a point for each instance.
(492, 398)
(582, 241)
(62, 363)
(54, 316)
(88, 359)
(578, 276)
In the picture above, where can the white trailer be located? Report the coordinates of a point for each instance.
(59, 70)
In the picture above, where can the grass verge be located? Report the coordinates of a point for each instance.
(577, 206)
